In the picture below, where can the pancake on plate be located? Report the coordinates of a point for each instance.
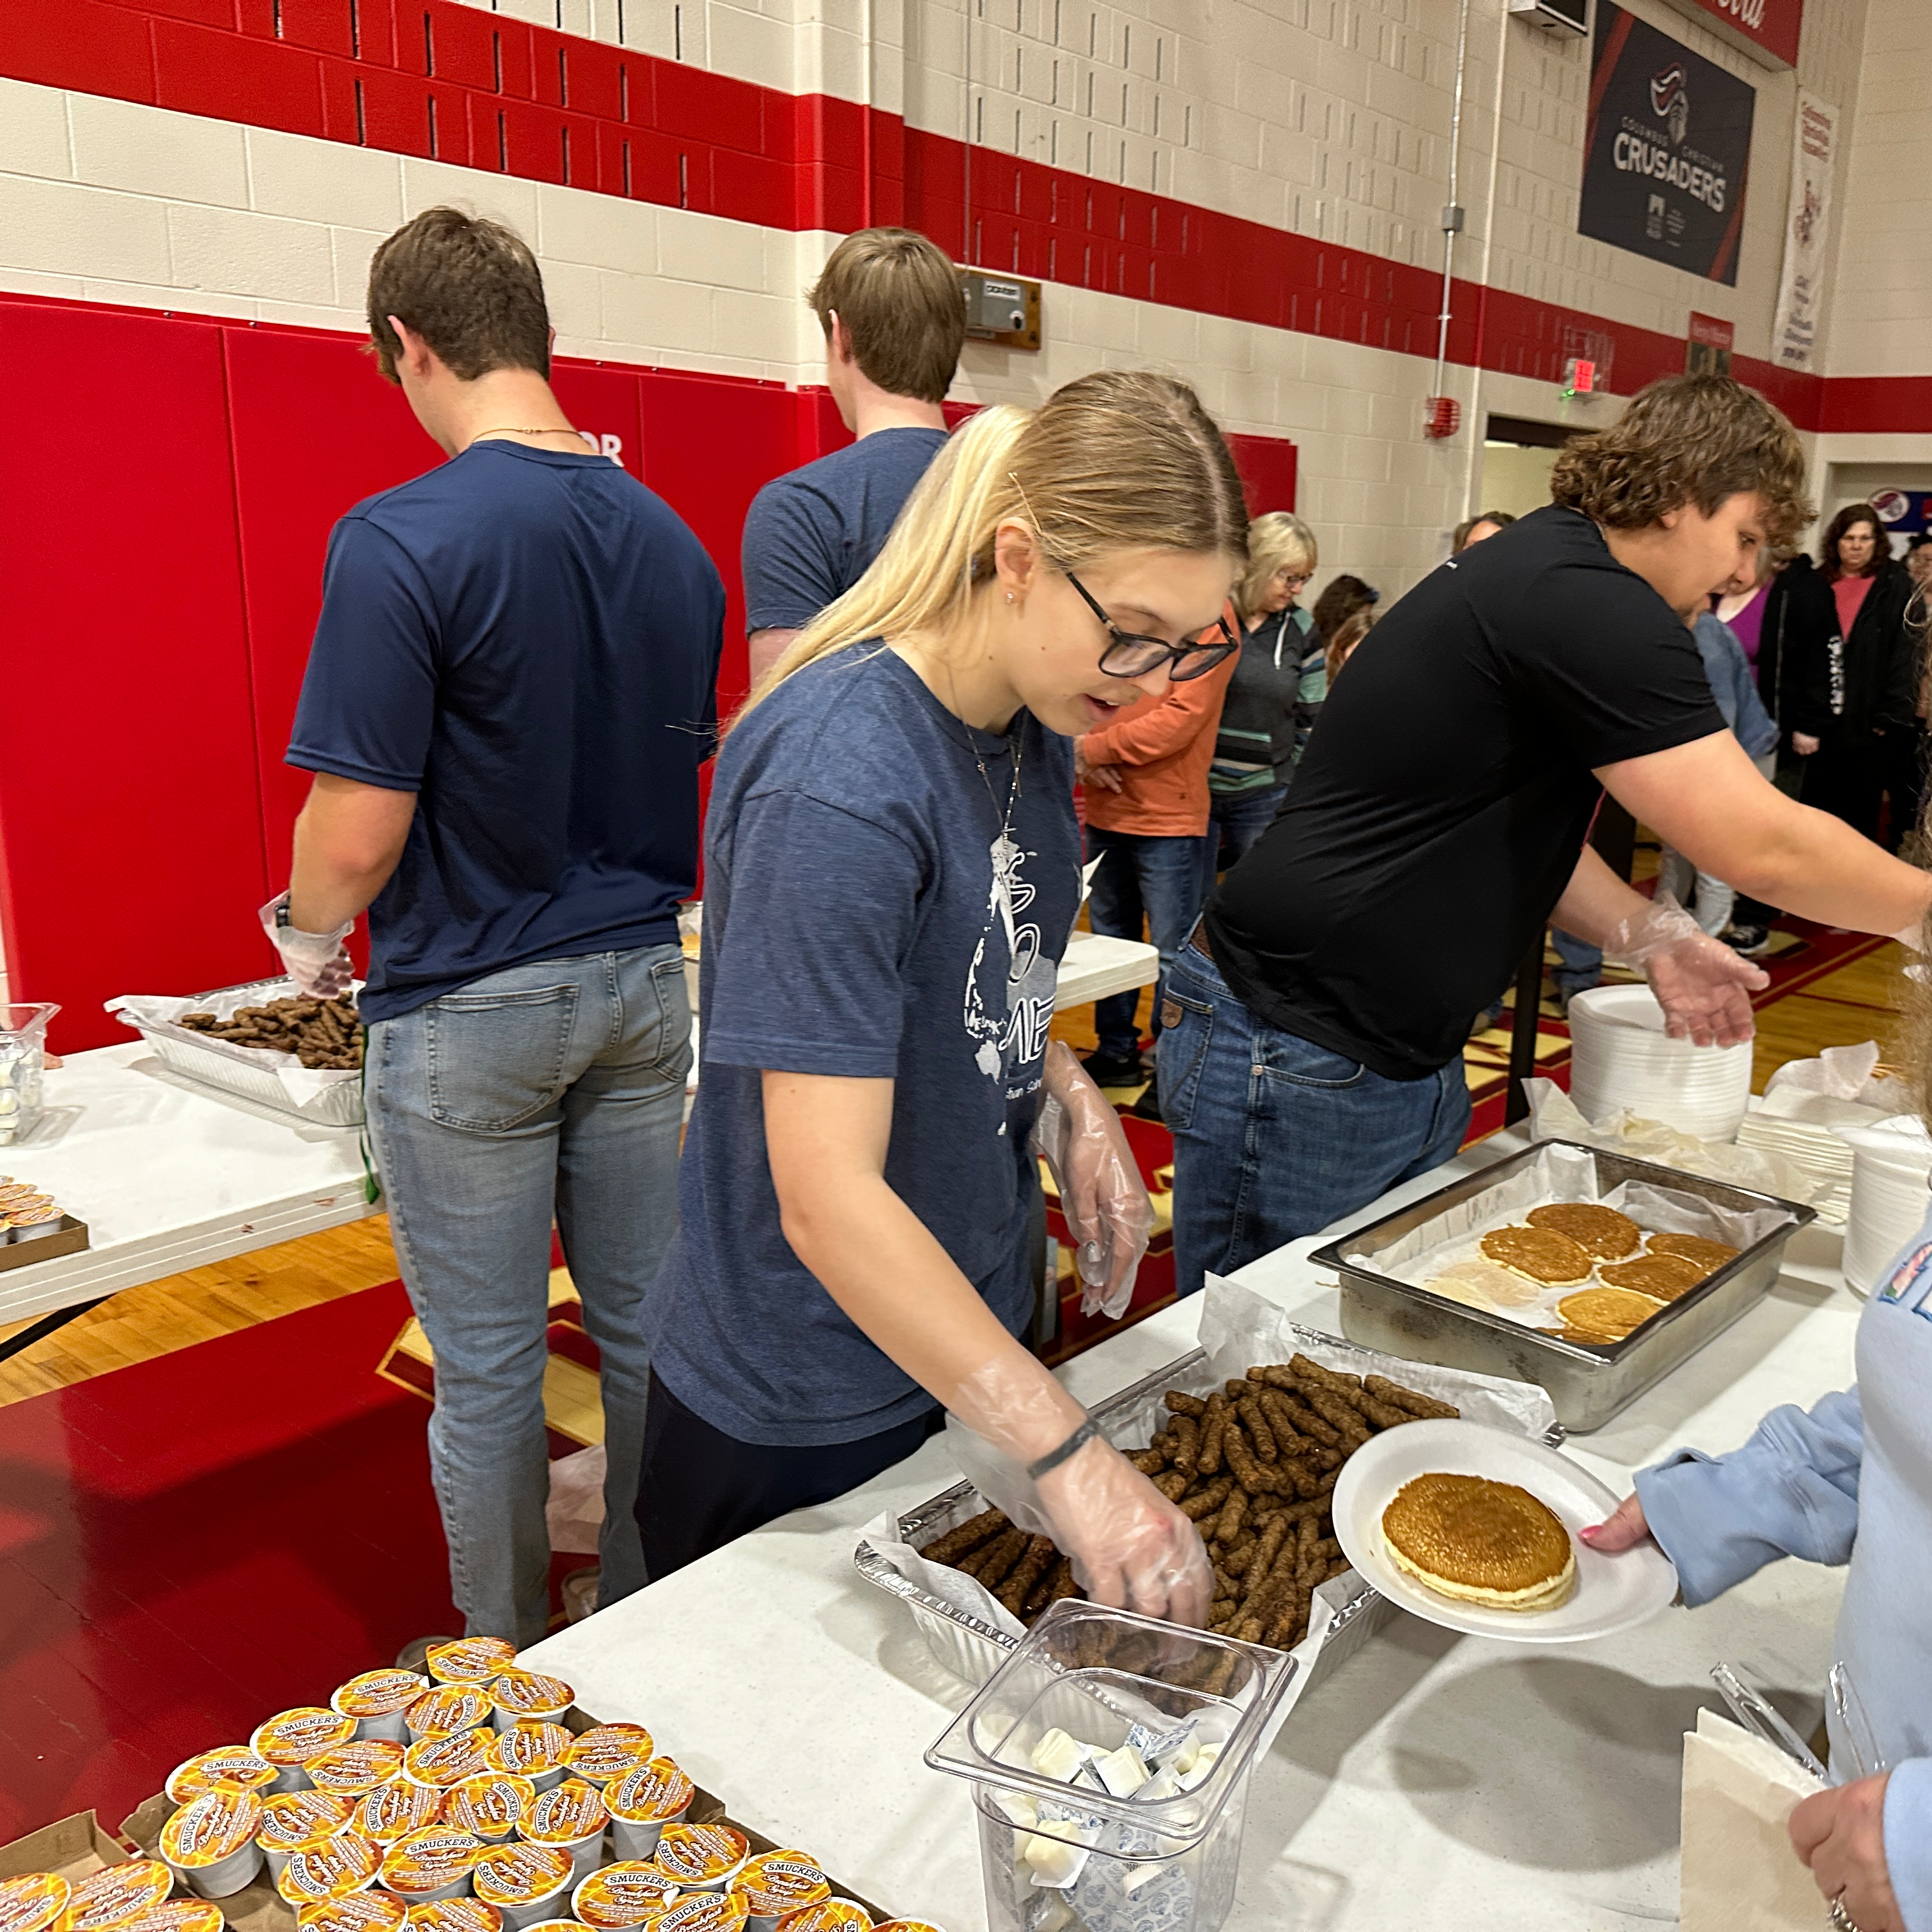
(1662, 1277)
(1479, 1541)
(1709, 1255)
(1608, 1235)
(1539, 1255)
(1610, 1313)
(1497, 1287)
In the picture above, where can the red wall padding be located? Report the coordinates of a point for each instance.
(163, 582)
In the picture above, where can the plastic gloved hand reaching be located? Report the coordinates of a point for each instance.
(1703, 987)
(1080, 1137)
(1131, 1547)
(317, 963)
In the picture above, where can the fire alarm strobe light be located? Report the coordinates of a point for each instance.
(1579, 377)
(1442, 415)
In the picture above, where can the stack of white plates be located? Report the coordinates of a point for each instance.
(1889, 1195)
(1621, 1056)
(1819, 1151)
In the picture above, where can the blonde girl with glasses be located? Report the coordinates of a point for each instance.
(892, 872)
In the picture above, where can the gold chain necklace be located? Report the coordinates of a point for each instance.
(512, 429)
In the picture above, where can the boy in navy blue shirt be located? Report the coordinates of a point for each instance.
(895, 321)
(509, 694)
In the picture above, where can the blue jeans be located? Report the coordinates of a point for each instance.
(1275, 1137)
(555, 1088)
(1235, 822)
(1143, 877)
(1579, 965)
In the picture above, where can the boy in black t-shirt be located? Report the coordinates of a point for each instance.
(1311, 1036)
(895, 321)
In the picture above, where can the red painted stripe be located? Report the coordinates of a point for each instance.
(435, 78)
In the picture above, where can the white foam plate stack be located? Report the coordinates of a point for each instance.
(1889, 1195)
(1819, 1151)
(1621, 1056)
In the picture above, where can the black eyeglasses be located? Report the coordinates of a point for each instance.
(1132, 654)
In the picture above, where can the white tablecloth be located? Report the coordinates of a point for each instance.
(1436, 1781)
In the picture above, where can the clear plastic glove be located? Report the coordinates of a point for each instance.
(1079, 1136)
(1131, 1548)
(1703, 987)
(317, 963)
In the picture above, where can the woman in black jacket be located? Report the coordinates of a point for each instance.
(1870, 746)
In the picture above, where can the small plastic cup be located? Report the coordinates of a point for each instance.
(702, 1912)
(455, 1914)
(107, 1900)
(288, 1739)
(209, 1843)
(773, 1883)
(335, 1869)
(469, 1660)
(445, 1709)
(490, 1805)
(435, 1863)
(371, 1911)
(179, 1915)
(525, 1697)
(702, 1858)
(572, 1819)
(299, 1821)
(393, 1810)
(352, 1770)
(608, 1751)
(33, 1901)
(831, 1915)
(643, 1802)
(377, 1700)
(539, 1752)
(525, 1882)
(446, 1762)
(237, 1765)
(632, 1892)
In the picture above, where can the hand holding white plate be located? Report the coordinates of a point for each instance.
(1612, 1593)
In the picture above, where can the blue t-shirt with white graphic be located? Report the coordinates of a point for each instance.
(864, 916)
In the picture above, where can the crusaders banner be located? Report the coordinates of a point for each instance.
(1666, 149)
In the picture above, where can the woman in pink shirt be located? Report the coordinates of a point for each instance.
(1873, 744)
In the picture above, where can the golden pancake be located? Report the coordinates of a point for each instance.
(1589, 1337)
(1609, 1312)
(1540, 1254)
(1608, 1235)
(1662, 1277)
(1481, 1542)
(1709, 1255)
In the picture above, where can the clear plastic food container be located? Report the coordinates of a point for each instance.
(1109, 1757)
(23, 1059)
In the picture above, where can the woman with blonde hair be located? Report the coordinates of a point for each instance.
(1277, 686)
(892, 872)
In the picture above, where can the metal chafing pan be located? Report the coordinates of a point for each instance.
(1587, 1383)
(973, 1649)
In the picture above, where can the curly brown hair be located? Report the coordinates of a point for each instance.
(1694, 440)
(469, 287)
(1827, 544)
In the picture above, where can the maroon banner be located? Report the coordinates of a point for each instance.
(1770, 24)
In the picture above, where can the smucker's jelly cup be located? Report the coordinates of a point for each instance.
(349, 1771)
(107, 1900)
(209, 1843)
(337, 1868)
(614, 1897)
(445, 1709)
(525, 1697)
(469, 1660)
(446, 1762)
(831, 1915)
(370, 1911)
(491, 1804)
(290, 1738)
(377, 1700)
(525, 1882)
(394, 1810)
(572, 1818)
(539, 1752)
(702, 1912)
(642, 1802)
(773, 1883)
(34, 1902)
(239, 1765)
(702, 1858)
(467, 1914)
(299, 1821)
(609, 1751)
(178, 1914)
(437, 1862)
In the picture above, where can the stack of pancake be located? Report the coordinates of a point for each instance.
(1479, 1541)
(1621, 1275)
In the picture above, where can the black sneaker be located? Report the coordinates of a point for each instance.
(1105, 1070)
(1748, 942)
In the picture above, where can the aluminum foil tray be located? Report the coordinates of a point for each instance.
(1589, 1385)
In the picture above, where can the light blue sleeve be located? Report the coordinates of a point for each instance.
(1791, 1490)
(1755, 731)
(1908, 1840)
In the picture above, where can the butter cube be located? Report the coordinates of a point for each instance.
(1058, 1756)
(1122, 1771)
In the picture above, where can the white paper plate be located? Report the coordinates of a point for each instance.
(1612, 1593)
